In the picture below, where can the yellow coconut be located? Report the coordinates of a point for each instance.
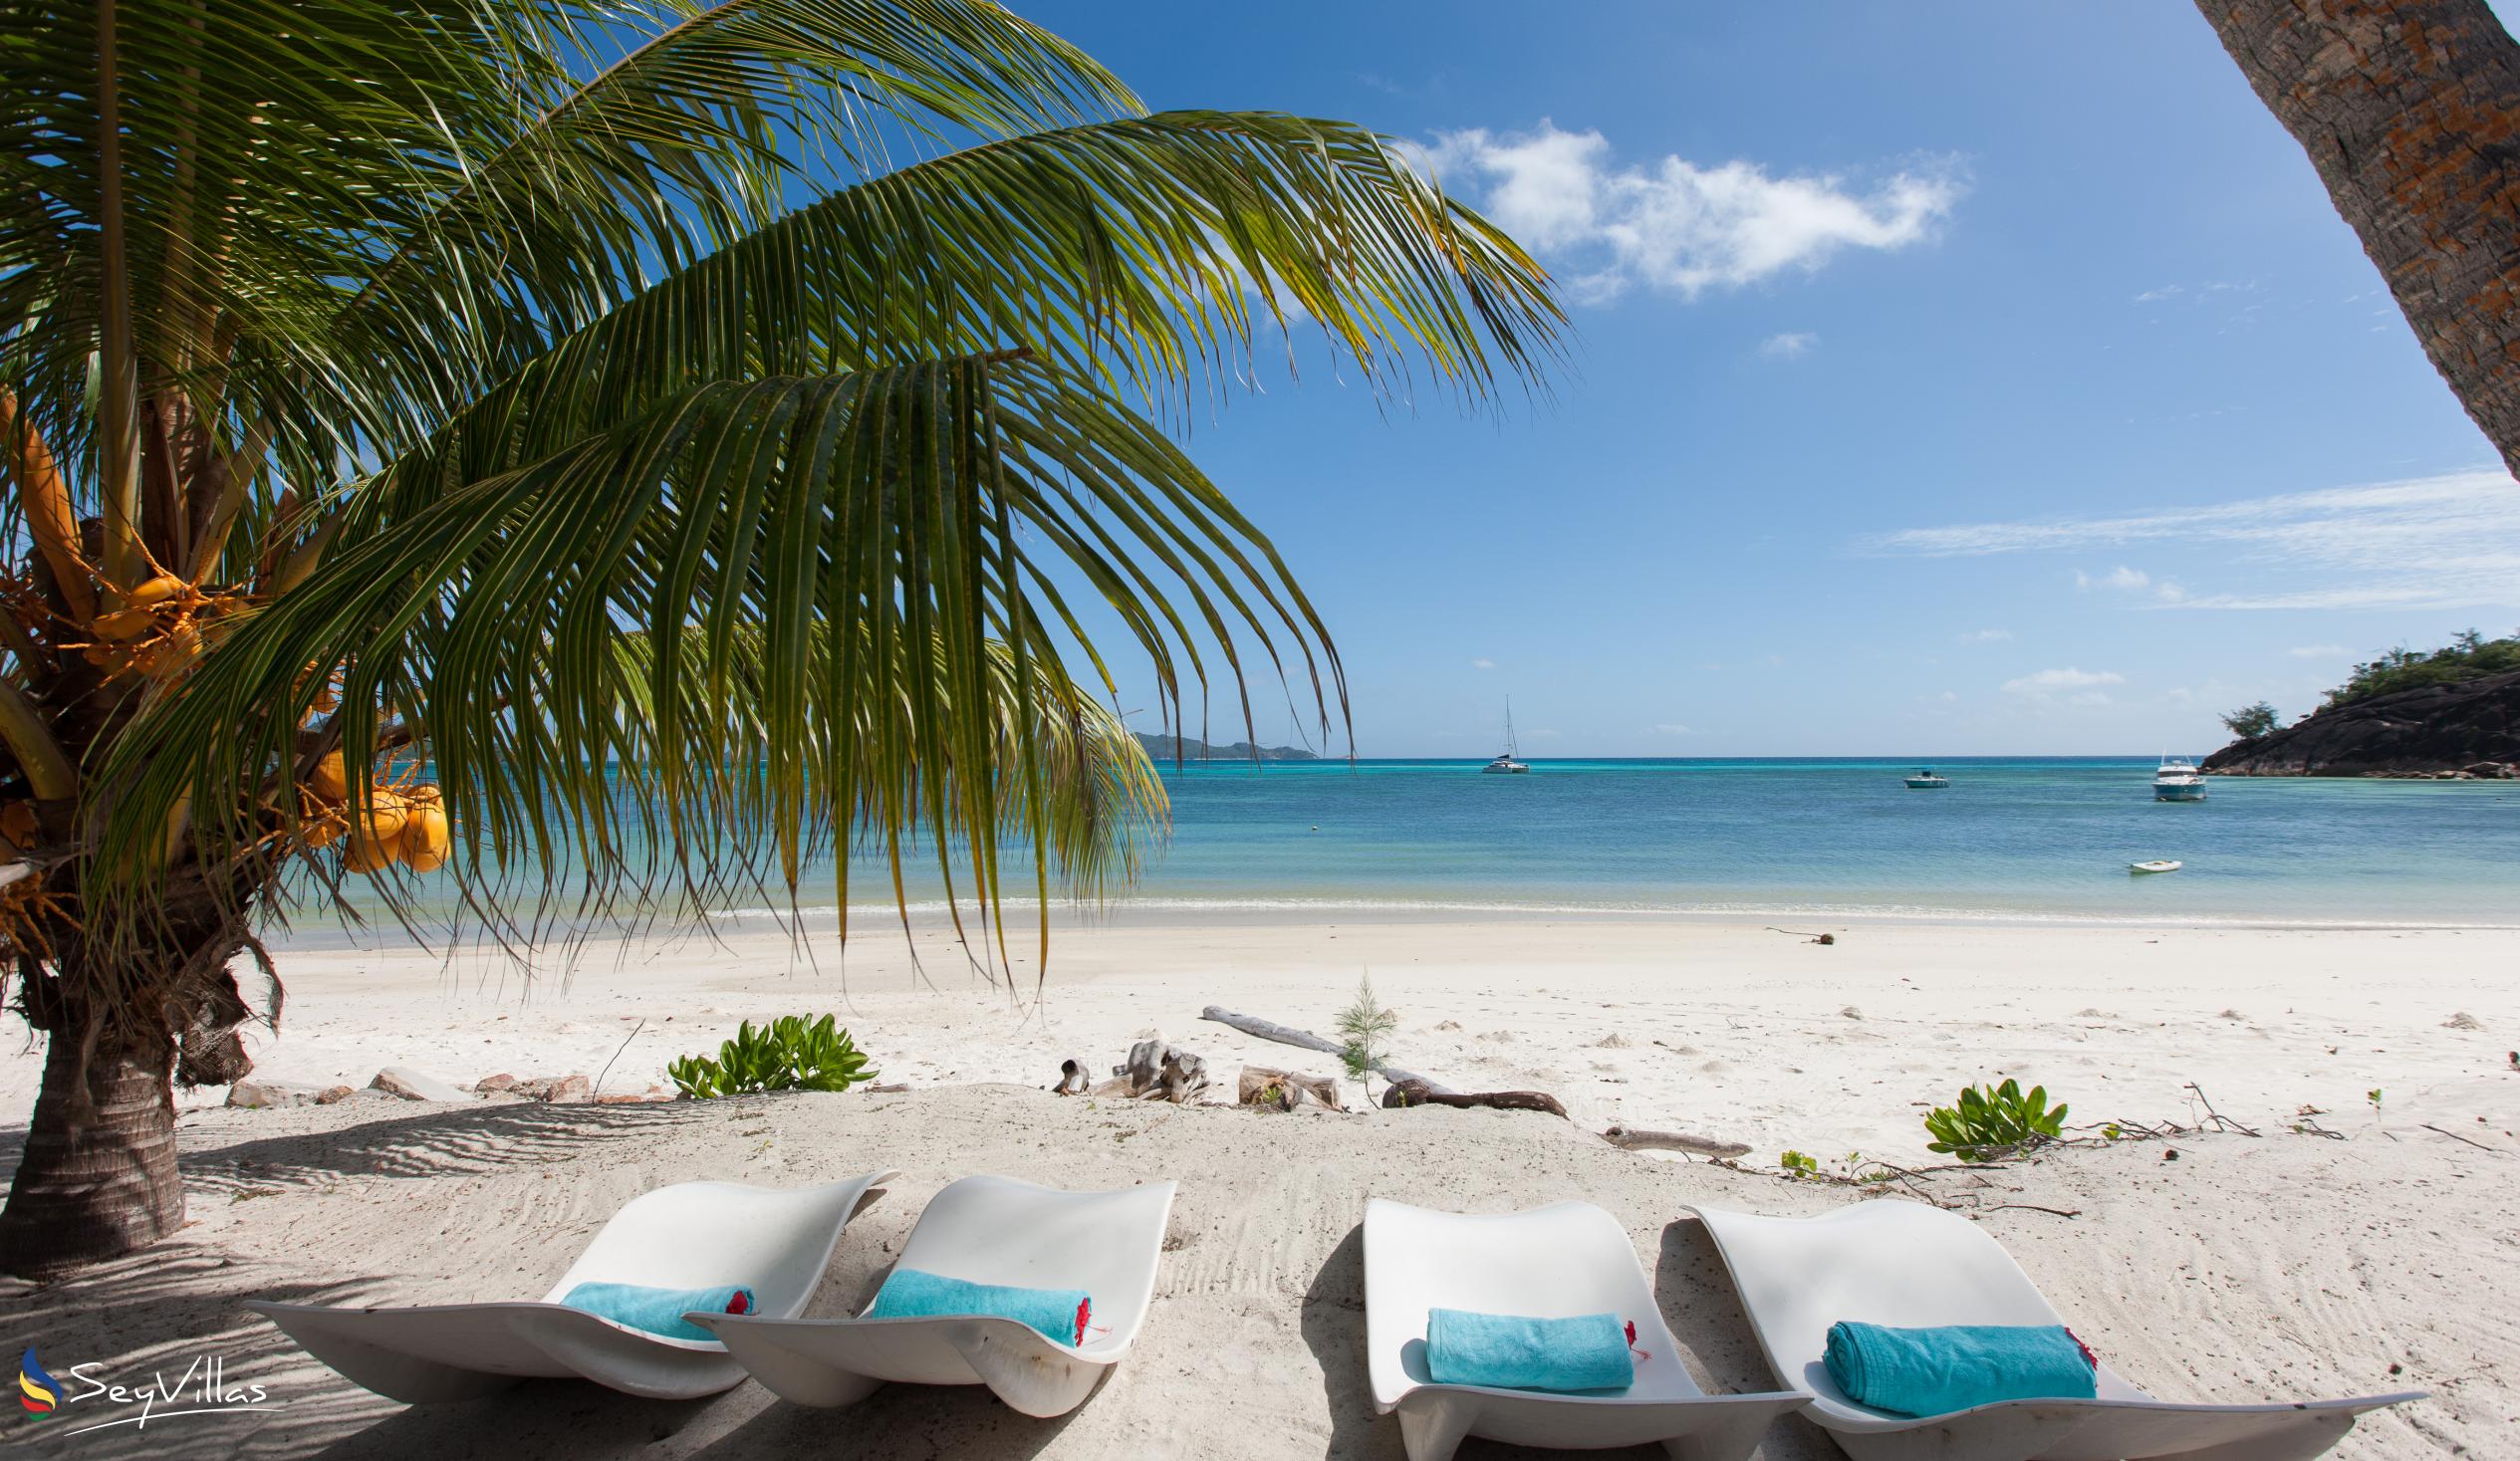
(157, 590)
(427, 837)
(370, 855)
(323, 832)
(125, 625)
(387, 809)
(330, 781)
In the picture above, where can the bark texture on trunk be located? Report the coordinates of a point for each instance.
(2410, 111)
(98, 1178)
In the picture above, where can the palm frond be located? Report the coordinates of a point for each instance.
(762, 614)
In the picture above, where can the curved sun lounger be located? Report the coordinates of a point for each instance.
(688, 1235)
(1890, 1262)
(1555, 1262)
(986, 1230)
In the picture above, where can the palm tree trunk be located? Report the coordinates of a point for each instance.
(2410, 111)
(98, 1178)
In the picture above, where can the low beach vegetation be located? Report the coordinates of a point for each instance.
(1989, 1124)
(1365, 1029)
(787, 1054)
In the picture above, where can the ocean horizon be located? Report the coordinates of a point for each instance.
(2013, 840)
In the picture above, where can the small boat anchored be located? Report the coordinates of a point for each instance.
(1927, 780)
(1504, 763)
(2161, 867)
(2179, 779)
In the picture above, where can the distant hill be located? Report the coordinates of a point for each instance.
(1191, 748)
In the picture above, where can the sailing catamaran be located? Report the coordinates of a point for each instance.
(1504, 761)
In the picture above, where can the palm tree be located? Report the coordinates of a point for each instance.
(2406, 109)
(699, 436)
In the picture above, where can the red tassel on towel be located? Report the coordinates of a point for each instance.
(740, 1303)
(1631, 1342)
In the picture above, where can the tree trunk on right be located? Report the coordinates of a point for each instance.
(2410, 111)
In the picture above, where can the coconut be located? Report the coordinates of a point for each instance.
(387, 811)
(157, 590)
(427, 837)
(324, 833)
(124, 624)
(330, 781)
(370, 854)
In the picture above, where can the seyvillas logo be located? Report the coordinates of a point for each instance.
(202, 1390)
(37, 1392)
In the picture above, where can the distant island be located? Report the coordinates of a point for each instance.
(1191, 748)
(2450, 714)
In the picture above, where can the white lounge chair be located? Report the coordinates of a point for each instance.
(690, 1235)
(983, 1230)
(1555, 1262)
(1906, 1264)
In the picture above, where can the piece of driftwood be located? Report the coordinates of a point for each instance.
(1413, 1091)
(1184, 1079)
(1074, 1079)
(1155, 1071)
(1285, 1089)
(1260, 1029)
(1145, 1065)
(1635, 1139)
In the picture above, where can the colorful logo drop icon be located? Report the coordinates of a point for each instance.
(37, 1392)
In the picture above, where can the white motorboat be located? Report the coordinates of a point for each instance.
(2161, 867)
(1504, 762)
(2179, 779)
(1927, 780)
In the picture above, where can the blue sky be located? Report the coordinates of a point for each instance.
(1972, 379)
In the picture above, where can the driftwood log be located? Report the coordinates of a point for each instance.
(1074, 1079)
(1631, 1139)
(1284, 1090)
(1155, 1071)
(1415, 1092)
(1260, 1029)
(1183, 1080)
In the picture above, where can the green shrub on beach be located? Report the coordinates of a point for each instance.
(1995, 1121)
(1366, 1025)
(785, 1054)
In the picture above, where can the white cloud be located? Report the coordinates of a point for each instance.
(1948, 697)
(1483, 662)
(2319, 651)
(2444, 542)
(1793, 344)
(1668, 729)
(1678, 225)
(2047, 684)
(2156, 295)
(2120, 576)
(1985, 636)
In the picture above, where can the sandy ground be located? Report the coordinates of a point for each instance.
(1732, 1031)
(2285, 1265)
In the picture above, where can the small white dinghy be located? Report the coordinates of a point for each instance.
(2162, 867)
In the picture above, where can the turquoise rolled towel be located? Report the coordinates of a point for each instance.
(661, 1311)
(1935, 1372)
(1057, 1313)
(1588, 1352)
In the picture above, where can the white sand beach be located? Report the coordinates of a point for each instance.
(2288, 1264)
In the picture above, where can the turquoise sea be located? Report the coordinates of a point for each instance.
(2012, 839)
